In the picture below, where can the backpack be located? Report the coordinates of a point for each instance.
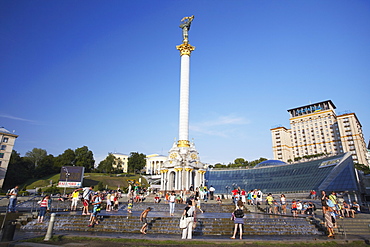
(239, 213)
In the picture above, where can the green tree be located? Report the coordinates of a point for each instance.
(67, 158)
(18, 171)
(136, 162)
(106, 165)
(46, 167)
(363, 168)
(240, 162)
(256, 162)
(85, 158)
(36, 155)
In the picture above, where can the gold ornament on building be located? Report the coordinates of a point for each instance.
(183, 143)
(185, 49)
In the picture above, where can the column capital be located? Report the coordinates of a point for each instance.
(201, 171)
(178, 169)
(185, 49)
(183, 143)
(164, 171)
(188, 169)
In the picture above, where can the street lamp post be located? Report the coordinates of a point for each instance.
(67, 175)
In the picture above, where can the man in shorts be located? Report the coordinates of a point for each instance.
(143, 216)
(86, 197)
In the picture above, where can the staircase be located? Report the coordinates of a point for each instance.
(359, 226)
(168, 225)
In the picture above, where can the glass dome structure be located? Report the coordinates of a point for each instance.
(268, 163)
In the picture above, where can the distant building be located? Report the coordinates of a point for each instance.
(121, 162)
(316, 129)
(368, 152)
(7, 140)
(154, 163)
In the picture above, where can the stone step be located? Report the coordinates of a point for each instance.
(205, 226)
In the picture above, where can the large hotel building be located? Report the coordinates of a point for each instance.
(316, 129)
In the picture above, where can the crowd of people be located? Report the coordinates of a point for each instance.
(333, 207)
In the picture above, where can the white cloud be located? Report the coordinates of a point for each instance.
(222, 126)
(17, 118)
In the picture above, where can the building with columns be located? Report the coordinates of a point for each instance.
(316, 129)
(183, 167)
(154, 163)
(7, 140)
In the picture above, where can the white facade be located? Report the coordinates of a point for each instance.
(121, 161)
(316, 129)
(7, 140)
(154, 162)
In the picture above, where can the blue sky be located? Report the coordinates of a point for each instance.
(105, 74)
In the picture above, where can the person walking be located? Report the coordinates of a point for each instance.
(189, 213)
(323, 199)
(143, 216)
(87, 194)
(211, 192)
(45, 205)
(329, 217)
(75, 198)
(172, 200)
(96, 203)
(13, 195)
(283, 204)
(238, 217)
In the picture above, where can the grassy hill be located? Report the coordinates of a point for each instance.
(109, 181)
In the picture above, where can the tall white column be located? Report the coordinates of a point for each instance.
(185, 51)
(184, 98)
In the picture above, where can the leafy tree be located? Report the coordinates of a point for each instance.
(36, 155)
(19, 170)
(106, 165)
(67, 158)
(136, 162)
(240, 162)
(256, 162)
(361, 167)
(85, 158)
(46, 167)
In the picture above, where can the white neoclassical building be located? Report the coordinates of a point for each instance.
(154, 163)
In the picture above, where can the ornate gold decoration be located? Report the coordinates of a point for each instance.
(189, 169)
(185, 49)
(173, 155)
(164, 171)
(183, 143)
(201, 171)
(194, 156)
(178, 169)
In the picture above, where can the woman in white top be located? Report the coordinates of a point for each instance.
(189, 213)
(283, 204)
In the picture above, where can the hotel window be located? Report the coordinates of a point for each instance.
(5, 139)
(3, 147)
(1, 155)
